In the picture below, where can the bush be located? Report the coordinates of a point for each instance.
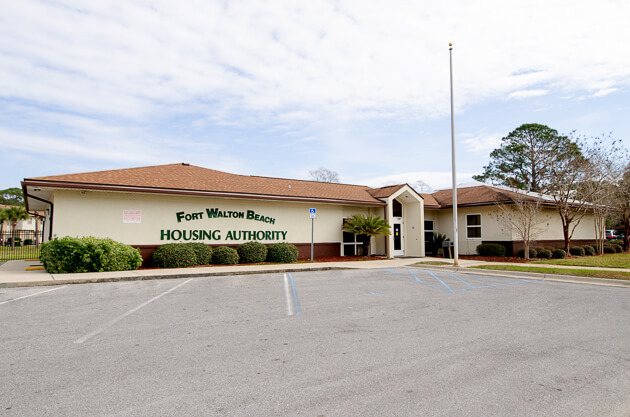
(87, 254)
(252, 253)
(174, 255)
(28, 242)
(224, 255)
(282, 252)
(521, 253)
(589, 250)
(609, 249)
(203, 253)
(544, 253)
(577, 251)
(615, 242)
(491, 249)
(617, 248)
(558, 254)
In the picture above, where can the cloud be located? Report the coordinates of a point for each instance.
(436, 180)
(481, 144)
(604, 92)
(527, 93)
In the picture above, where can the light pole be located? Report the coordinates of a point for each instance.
(455, 231)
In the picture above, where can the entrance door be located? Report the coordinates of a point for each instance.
(399, 248)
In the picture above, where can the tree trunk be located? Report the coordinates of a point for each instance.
(626, 237)
(526, 248)
(567, 238)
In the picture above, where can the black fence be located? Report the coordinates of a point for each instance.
(19, 244)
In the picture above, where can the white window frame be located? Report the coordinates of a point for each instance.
(356, 242)
(474, 226)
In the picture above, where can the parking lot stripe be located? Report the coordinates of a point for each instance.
(413, 277)
(32, 295)
(133, 310)
(296, 301)
(287, 295)
(458, 278)
(443, 283)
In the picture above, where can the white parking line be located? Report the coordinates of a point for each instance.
(32, 295)
(133, 310)
(287, 293)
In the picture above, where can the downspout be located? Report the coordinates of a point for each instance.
(52, 209)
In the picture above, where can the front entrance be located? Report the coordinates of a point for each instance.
(399, 247)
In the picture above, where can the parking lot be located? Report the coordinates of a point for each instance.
(397, 342)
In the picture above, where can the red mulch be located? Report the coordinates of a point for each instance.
(494, 259)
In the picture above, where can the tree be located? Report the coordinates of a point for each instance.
(366, 227)
(621, 204)
(3, 218)
(324, 175)
(420, 185)
(522, 215)
(11, 197)
(14, 214)
(524, 157)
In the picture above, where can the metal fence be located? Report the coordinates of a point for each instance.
(19, 244)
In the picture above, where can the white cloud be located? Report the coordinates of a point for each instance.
(481, 144)
(437, 180)
(527, 93)
(604, 92)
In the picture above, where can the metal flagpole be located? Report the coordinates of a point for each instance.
(455, 230)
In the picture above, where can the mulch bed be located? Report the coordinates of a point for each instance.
(495, 259)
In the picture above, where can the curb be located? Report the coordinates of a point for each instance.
(539, 276)
(162, 276)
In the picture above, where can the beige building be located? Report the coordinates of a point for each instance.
(150, 206)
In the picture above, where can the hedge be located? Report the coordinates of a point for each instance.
(174, 255)
(521, 253)
(543, 253)
(87, 254)
(589, 250)
(609, 249)
(491, 249)
(252, 253)
(558, 254)
(203, 253)
(224, 255)
(577, 251)
(282, 253)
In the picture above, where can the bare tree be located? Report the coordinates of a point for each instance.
(620, 203)
(420, 186)
(522, 215)
(324, 175)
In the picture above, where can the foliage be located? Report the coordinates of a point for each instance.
(203, 253)
(324, 175)
(174, 255)
(224, 255)
(617, 248)
(609, 249)
(282, 253)
(543, 253)
(577, 251)
(491, 249)
(88, 254)
(366, 226)
(252, 252)
(438, 239)
(521, 253)
(12, 196)
(522, 215)
(522, 160)
(15, 214)
(589, 250)
(558, 253)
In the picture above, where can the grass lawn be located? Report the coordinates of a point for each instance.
(613, 260)
(560, 271)
(19, 252)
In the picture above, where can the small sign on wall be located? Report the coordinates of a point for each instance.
(132, 216)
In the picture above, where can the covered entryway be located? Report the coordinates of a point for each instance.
(405, 213)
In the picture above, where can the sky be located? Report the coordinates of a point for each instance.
(280, 88)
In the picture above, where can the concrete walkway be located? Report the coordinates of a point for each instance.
(14, 273)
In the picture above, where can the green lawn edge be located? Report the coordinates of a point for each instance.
(559, 271)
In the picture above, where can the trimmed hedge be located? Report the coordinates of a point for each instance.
(558, 254)
(282, 253)
(617, 248)
(577, 251)
(589, 250)
(609, 249)
(252, 253)
(491, 249)
(203, 253)
(521, 253)
(224, 255)
(174, 255)
(88, 254)
(544, 253)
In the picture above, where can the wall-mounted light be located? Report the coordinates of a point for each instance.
(37, 189)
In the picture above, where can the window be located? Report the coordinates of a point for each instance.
(428, 232)
(397, 209)
(352, 244)
(473, 226)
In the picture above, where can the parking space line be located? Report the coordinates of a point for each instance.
(133, 310)
(443, 283)
(459, 279)
(32, 295)
(293, 303)
(422, 282)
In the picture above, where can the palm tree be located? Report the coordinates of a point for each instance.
(366, 227)
(3, 218)
(14, 214)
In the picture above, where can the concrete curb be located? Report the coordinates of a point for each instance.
(161, 276)
(534, 275)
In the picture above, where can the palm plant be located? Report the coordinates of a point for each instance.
(14, 214)
(3, 218)
(438, 239)
(366, 227)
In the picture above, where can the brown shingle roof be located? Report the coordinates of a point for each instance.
(478, 196)
(184, 177)
(429, 201)
(384, 192)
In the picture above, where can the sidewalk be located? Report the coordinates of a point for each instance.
(14, 274)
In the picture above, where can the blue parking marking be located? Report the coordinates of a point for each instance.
(444, 287)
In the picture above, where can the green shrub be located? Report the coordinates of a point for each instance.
(252, 253)
(203, 253)
(224, 255)
(174, 255)
(28, 242)
(491, 249)
(558, 254)
(617, 248)
(87, 254)
(544, 253)
(282, 252)
(577, 251)
(609, 249)
(521, 253)
(615, 242)
(589, 250)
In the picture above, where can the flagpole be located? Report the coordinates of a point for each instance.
(455, 230)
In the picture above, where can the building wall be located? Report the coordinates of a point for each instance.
(102, 214)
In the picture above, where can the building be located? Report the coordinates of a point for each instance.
(150, 206)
